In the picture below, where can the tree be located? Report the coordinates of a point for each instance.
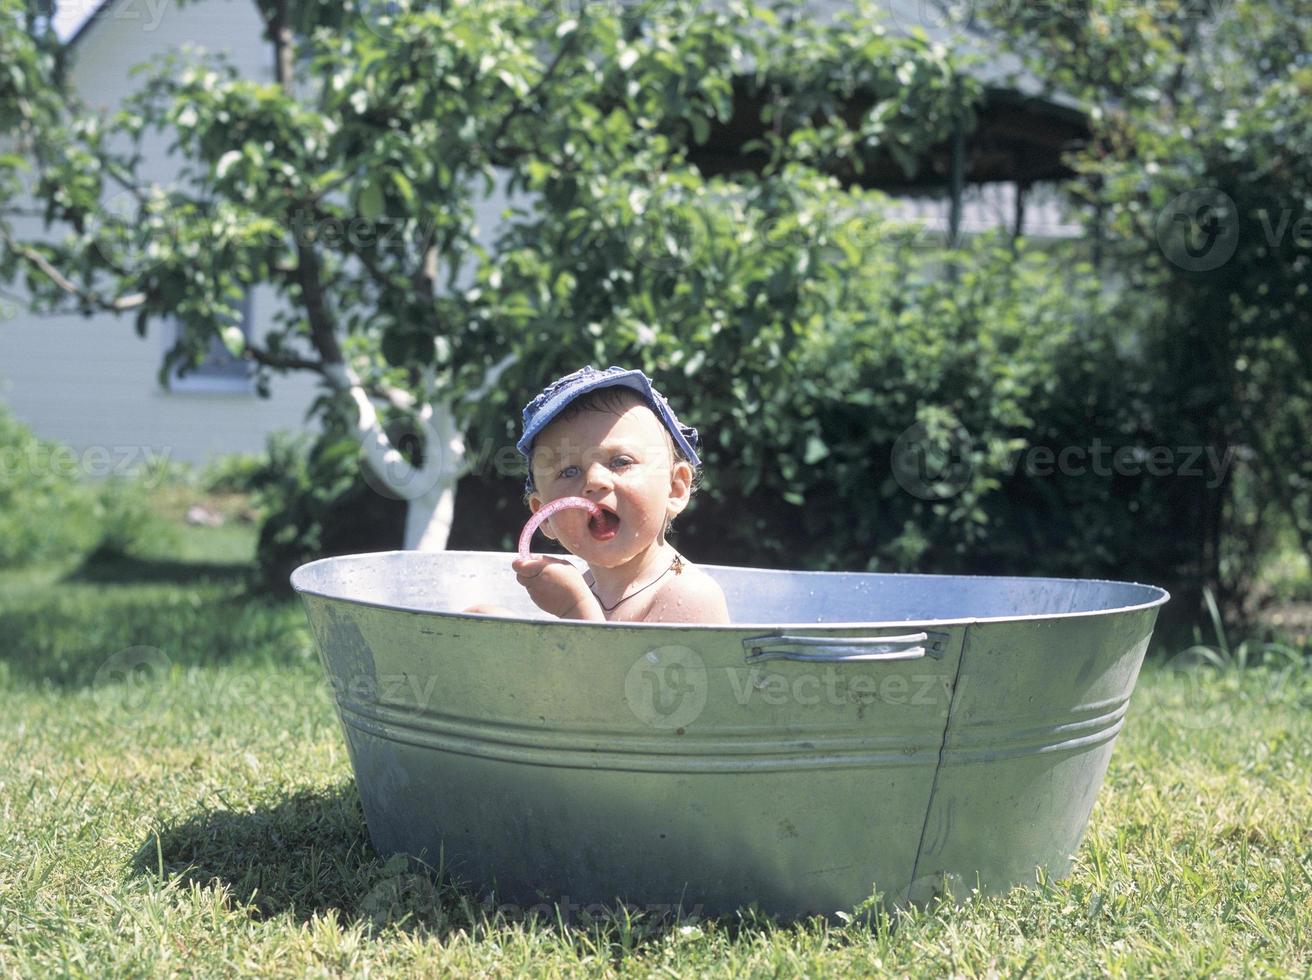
(1201, 175)
(348, 186)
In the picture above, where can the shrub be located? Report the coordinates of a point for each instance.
(315, 503)
(232, 473)
(46, 514)
(901, 413)
(127, 523)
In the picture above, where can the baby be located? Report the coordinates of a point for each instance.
(610, 437)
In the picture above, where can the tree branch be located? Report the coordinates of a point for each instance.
(397, 397)
(323, 332)
(34, 258)
(418, 279)
(523, 104)
(282, 362)
(277, 28)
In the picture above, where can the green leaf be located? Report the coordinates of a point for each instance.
(226, 163)
(234, 340)
(404, 187)
(369, 201)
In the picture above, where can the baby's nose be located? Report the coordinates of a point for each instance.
(599, 476)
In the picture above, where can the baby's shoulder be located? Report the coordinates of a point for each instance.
(691, 596)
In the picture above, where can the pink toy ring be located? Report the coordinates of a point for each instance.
(555, 507)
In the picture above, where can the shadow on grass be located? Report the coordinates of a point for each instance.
(112, 569)
(310, 854)
(158, 614)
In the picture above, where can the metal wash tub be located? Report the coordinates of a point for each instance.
(850, 732)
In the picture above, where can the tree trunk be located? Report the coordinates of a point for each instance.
(428, 519)
(429, 488)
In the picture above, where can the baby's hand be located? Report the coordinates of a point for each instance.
(557, 587)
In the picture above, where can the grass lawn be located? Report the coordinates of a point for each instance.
(175, 797)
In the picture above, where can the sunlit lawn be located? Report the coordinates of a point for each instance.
(175, 797)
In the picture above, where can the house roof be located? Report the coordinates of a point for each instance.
(84, 28)
(1022, 128)
(1017, 137)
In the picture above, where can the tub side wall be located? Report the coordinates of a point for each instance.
(1034, 718)
(451, 581)
(645, 765)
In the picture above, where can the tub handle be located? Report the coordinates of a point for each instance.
(844, 649)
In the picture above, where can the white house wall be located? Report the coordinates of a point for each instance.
(91, 382)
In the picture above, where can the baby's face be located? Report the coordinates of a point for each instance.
(625, 465)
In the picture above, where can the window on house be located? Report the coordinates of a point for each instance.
(220, 372)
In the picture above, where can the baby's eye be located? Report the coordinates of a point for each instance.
(620, 461)
(568, 471)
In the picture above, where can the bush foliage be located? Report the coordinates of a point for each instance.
(45, 511)
(49, 513)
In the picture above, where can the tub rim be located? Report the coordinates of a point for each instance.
(302, 572)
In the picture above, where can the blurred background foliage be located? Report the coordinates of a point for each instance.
(869, 397)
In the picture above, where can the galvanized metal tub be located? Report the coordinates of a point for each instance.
(848, 733)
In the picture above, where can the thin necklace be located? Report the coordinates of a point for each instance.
(677, 565)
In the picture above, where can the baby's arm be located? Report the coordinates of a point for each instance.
(489, 609)
(557, 587)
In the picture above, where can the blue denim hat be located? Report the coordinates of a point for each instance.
(541, 410)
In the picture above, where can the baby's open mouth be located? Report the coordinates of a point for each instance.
(604, 526)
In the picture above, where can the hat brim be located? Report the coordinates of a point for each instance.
(635, 380)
